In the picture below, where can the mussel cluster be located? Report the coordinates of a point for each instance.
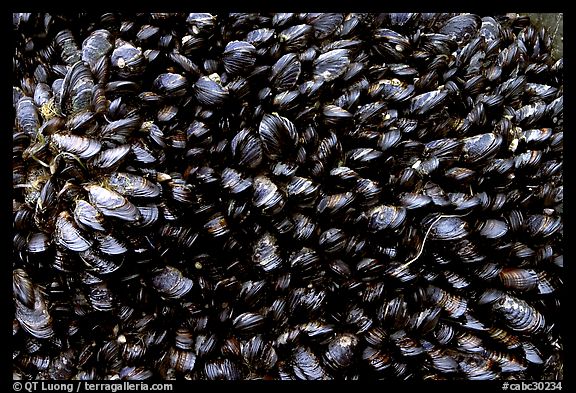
(286, 196)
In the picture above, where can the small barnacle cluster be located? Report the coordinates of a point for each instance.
(286, 196)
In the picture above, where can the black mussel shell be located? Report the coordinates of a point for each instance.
(210, 93)
(293, 196)
(35, 319)
(171, 283)
(68, 235)
(169, 84)
(285, 72)
(112, 204)
(448, 228)
(278, 135)
(238, 56)
(80, 146)
(265, 253)
(331, 65)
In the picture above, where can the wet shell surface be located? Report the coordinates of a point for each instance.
(286, 196)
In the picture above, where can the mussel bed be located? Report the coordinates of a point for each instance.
(286, 196)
